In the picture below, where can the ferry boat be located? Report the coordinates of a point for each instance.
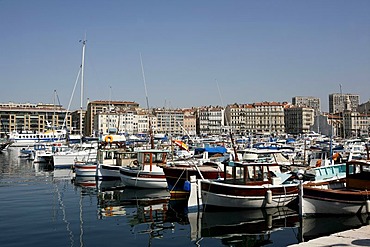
(29, 138)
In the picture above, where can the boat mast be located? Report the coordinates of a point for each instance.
(147, 104)
(82, 82)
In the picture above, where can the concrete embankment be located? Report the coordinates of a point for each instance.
(354, 237)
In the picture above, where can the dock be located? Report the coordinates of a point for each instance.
(354, 237)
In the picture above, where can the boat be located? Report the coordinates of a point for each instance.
(111, 158)
(147, 170)
(64, 157)
(85, 168)
(349, 195)
(178, 173)
(253, 184)
(24, 139)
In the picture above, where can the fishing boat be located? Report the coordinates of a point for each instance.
(110, 158)
(147, 170)
(178, 172)
(85, 168)
(349, 195)
(252, 185)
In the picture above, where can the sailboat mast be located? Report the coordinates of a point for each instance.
(147, 104)
(82, 82)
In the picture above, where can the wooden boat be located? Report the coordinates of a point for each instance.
(146, 171)
(178, 176)
(349, 195)
(85, 168)
(252, 185)
(110, 158)
(178, 172)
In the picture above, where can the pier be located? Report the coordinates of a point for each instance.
(354, 237)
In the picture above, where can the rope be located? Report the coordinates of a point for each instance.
(178, 180)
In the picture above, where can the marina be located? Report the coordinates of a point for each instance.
(55, 207)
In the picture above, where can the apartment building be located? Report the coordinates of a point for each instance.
(101, 106)
(29, 117)
(256, 118)
(338, 102)
(298, 119)
(308, 101)
(211, 120)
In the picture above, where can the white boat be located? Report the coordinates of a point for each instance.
(147, 171)
(85, 168)
(109, 160)
(29, 138)
(65, 157)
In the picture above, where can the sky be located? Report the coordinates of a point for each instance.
(193, 53)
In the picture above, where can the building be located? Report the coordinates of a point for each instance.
(95, 107)
(298, 119)
(337, 102)
(364, 108)
(120, 122)
(169, 121)
(32, 117)
(328, 124)
(211, 120)
(190, 122)
(269, 117)
(308, 101)
(78, 122)
(355, 124)
(256, 118)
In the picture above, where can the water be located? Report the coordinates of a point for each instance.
(41, 207)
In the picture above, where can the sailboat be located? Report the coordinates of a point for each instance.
(84, 152)
(147, 172)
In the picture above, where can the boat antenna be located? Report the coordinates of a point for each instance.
(147, 104)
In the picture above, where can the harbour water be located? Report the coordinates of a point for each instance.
(43, 207)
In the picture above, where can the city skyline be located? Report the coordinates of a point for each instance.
(193, 53)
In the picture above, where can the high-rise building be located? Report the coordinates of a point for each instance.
(308, 101)
(338, 102)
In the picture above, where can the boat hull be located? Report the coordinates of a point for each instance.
(143, 179)
(319, 206)
(219, 194)
(178, 177)
(108, 172)
(85, 170)
(333, 198)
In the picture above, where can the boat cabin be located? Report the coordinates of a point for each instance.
(255, 173)
(152, 157)
(358, 175)
(119, 157)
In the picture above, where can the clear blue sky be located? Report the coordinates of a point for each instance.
(193, 51)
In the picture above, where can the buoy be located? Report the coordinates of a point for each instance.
(269, 196)
(108, 138)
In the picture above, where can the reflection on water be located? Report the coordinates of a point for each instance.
(314, 227)
(86, 208)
